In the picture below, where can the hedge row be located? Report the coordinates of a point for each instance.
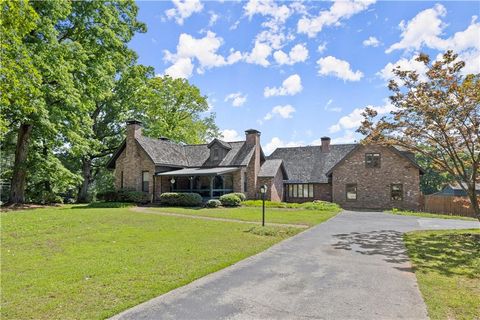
(124, 196)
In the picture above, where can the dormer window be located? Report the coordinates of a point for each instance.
(215, 154)
(372, 160)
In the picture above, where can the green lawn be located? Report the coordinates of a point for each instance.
(66, 263)
(447, 266)
(276, 215)
(429, 215)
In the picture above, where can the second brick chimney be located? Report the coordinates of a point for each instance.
(134, 129)
(325, 144)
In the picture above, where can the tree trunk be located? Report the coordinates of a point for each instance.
(87, 180)
(19, 176)
(472, 194)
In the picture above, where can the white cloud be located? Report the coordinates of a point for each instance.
(338, 68)
(425, 29)
(204, 50)
(230, 135)
(328, 107)
(182, 68)
(237, 99)
(405, 64)
(267, 8)
(259, 54)
(299, 53)
(284, 112)
(340, 10)
(278, 143)
(213, 18)
(349, 136)
(183, 9)
(354, 119)
(290, 86)
(322, 47)
(371, 42)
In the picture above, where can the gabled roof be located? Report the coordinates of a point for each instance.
(270, 168)
(167, 153)
(310, 164)
(404, 154)
(221, 143)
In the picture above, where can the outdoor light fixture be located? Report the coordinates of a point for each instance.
(263, 191)
(172, 181)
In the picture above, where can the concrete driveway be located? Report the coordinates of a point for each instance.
(353, 266)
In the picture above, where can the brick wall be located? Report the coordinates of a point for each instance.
(373, 184)
(132, 162)
(275, 186)
(322, 191)
(253, 168)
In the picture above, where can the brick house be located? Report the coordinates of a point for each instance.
(159, 165)
(352, 175)
(355, 176)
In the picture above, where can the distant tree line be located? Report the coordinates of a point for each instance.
(68, 83)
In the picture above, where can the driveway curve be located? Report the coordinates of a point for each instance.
(354, 266)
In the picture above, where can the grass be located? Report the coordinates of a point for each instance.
(301, 216)
(447, 266)
(86, 263)
(429, 215)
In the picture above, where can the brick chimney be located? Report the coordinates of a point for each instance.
(252, 138)
(325, 144)
(134, 129)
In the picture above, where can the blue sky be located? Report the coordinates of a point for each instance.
(297, 71)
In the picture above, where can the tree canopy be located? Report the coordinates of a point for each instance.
(437, 115)
(69, 81)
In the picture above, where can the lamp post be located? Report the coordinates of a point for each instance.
(263, 191)
(172, 181)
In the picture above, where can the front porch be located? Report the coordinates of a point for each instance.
(210, 183)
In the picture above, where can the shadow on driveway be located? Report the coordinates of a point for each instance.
(386, 243)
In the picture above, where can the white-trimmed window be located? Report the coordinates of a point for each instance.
(351, 191)
(300, 190)
(145, 181)
(396, 192)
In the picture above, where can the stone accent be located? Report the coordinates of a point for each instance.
(373, 184)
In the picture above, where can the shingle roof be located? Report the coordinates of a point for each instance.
(199, 155)
(163, 151)
(310, 164)
(270, 168)
(168, 153)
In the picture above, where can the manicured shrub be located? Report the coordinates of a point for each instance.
(181, 199)
(213, 203)
(109, 205)
(240, 195)
(230, 200)
(315, 205)
(124, 196)
(109, 196)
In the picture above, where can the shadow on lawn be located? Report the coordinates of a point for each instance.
(446, 253)
(386, 243)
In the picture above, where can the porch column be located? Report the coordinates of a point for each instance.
(211, 187)
(191, 183)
